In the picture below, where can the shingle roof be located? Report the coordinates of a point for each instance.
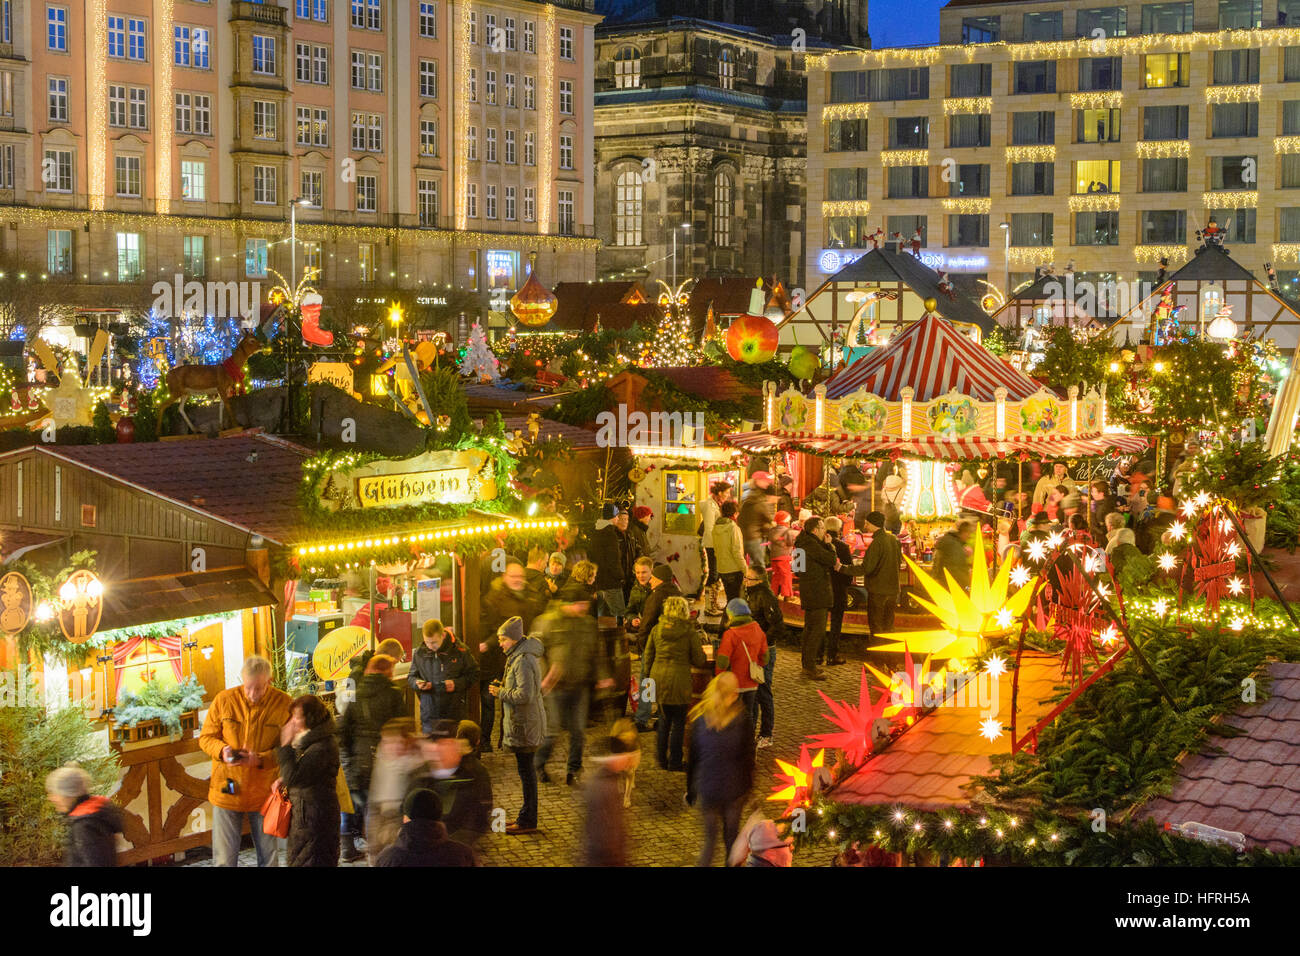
(578, 304)
(578, 438)
(1211, 264)
(481, 396)
(170, 597)
(886, 266)
(709, 382)
(1248, 784)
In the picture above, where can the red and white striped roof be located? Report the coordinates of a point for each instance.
(935, 359)
(944, 449)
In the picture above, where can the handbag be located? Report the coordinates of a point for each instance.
(343, 793)
(756, 673)
(275, 813)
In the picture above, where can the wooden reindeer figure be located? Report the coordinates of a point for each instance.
(220, 380)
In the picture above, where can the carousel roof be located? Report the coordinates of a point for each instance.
(1210, 264)
(934, 359)
(887, 266)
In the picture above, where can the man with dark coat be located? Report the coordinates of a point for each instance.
(840, 581)
(423, 839)
(507, 597)
(1100, 503)
(609, 551)
(757, 510)
(93, 821)
(880, 565)
(952, 554)
(535, 575)
(814, 560)
(377, 702)
(442, 672)
(638, 534)
(461, 782)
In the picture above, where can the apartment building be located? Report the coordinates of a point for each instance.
(425, 145)
(1043, 133)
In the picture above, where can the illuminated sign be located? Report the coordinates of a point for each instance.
(831, 261)
(413, 488)
(502, 268)
(437, 477)
(430, 300)
(338, 374)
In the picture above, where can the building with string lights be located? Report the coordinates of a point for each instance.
(1041, 133)
(422, 147)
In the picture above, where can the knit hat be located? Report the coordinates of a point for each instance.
(833, 524)
(1072, 500)
(642, 513)
(782, 517)
(443, 729)
(572, 593)
(422, 805)
(69, 781)
(662, 573)
(512, 629)
(610, 511)
(738, 608)
(876, 518)
(1039, 518)
(557, 557)
(761, 479)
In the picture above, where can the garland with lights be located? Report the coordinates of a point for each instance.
(46, 638)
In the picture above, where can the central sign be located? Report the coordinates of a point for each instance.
(435, 477)
(417, 488)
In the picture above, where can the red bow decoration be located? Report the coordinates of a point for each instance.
(1072, 607)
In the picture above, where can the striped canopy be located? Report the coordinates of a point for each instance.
(934, 447)
(935, 359)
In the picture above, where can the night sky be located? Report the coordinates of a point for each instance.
(903, 22)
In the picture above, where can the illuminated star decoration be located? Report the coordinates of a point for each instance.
(1020, 576)
(1189, 508)
(1236, 586)
(995, 666)
(856, 722)
(1177, 530)
(990, 728)
(798, 782)
(905, 692)
(1167, 561)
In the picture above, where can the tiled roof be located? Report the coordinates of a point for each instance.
(1248, 784)
(709, 382)
(170, 597)
(930, 765)
(579, 304)
(729, 297)
(578, 438)
(494, 397)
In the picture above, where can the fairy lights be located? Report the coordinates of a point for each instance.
(1094, 202)
(1031, 255)
(846, 207)
(843, 111)
(506, 525)
(1230, 199)
(166, 116)
(97, 93)
(547, 131)
(1286, 144)
(905, 157)
(459, 146)
(1031, 154)
(954, 105)
(1286, 251)
(1238, 93)
(971, 205)
(1097, 100)
(1163, 148)
(1154, 253)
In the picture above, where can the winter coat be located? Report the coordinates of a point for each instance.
(840, 580)
(781, 542)
(728, 547)
(466, 799)
(609, 552)
(233, 722)
(500, 605)
(521, 697)
(573, 647)
(710, 512)
(755, 518)
(309, 769)
(720, 766)
(881, 562)
(638, 542)
(604, 827)
(377, 702)
(950, 555)
(636, 599)
(450, 662)
(673, 649)
(654, 606)
(538, 584)
(767, 612)
(425, 843)
(743, 641)
(93, 825)
(815, 579)
(1097, 511)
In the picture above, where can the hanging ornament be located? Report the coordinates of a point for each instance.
(636, 476)
(533, 304)
(804, 364)
(753, 338)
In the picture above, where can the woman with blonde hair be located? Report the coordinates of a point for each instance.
(720, 769)
(671, 650)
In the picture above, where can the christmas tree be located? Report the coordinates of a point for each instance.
(479, 363)
(673, 343)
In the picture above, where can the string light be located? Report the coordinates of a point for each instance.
(1097, 100)
(968, 205)
(1238, 93)
(1031, 154)
(459, 147)
(1094, 202)
(546, 131)
(904, 157)
(1163, 148)
(955, 105)
(846, 207)
(1230, 199)
(1286, 144)
(166, 115)
(508, 524)
(97, 92)
(1286, 251)
(843, 111)
(1031, 255)
(1154, 253)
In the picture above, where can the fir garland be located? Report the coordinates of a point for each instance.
(46, 639)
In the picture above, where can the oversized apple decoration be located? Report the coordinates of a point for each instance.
(753, 338)
(804, 363)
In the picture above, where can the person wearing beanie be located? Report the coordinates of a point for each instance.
(672, 649)
(766, 610)
(784, 486)
(605, 837)
(719, 493)
(508, 596)
(881, 565)
(816, 596)
(522, 716)
(663, 588)
(638, 534)
(555, 574)
(462, 784)
(729, 549)
(93, 821)
(609, 551)
(780, 547)
(755, 517)
(376, 702)
(743, 646)
(423, 839)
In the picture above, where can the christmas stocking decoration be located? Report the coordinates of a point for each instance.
(312, 333)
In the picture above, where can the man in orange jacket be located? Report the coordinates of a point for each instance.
(242, 734)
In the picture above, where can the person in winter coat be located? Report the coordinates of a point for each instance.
(880, 565)
(556, 575)
(357, 668)
(377, 702)
(93, 821)
(719, 492)
(309, 769)
(952, 554)
(604, 823)
(743, 644)
(442, 672)
(535, 578)
(423, 839)
(609, 552)
(783, 486)
(1100, 503)
(760, 844)
(780, 545)
(523, 714)
(840, 582)
(755, 518)
(815, 593)
(641, 587)
(241, 734)
(461, 782)
(577, 665)
(672, 650)
(398, 761)
(729, 550)
(766, 610)
(662, 579)
(507, 597)
(638, 534)
(720, 768)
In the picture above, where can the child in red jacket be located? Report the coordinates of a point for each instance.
(779, 555)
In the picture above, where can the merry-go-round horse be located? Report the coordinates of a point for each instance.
(220, 380)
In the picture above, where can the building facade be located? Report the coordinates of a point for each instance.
(426, 145)
(1041, 133)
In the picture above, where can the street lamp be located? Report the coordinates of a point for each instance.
(686, 226)
(293, 237)
(1006, 261)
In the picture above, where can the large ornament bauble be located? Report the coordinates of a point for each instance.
(804, 363)
(752, 339)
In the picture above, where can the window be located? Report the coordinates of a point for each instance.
(6, 93)
(427, 201)
(473, 85)
(1031, 228)
(1241, 15)
(1042, 26)
(1291, 118)
(490, 87)
(1037, 128)
(7, 167)
(311, 186)
(317, 10)
(56, 29)
(510, 203)
(848, 232)
(375, 72)
(908, 182)
(530, 102)
(202, 48)
(723, 207)
(629, 198)
(471, 144)
(1234, 119)
(1096, 228)
(116, 105)
(566, 43)
(138, 98)
(627, 69)
(1035, 76)
(135, 40)
(490, 201)
(1290, 170)
(1098, 126)
(529, 209)
(1234, 172)
(850, 136)
(1167, 17)
(510, 146)
(490, 30)
(980, 29)
(429, 137)
(264, 185)
(366, 261)
(429, 79)
(1165, 69)
(6, 22)
(302, 125)
(117, 37)
(182, 45)
(194, 259)
(530, 37)
(264, 119)
(320, 126)
(1096, 176)
(302, 62)
(490, 144)
(566, 97)
(1291, 64)
(255, 258)
(969, 129)
(428, 20)
(367, 193)
(863, 86)
(970, 230)
(1164, 122)
(57, 173)
(1033, 179)
(473, 26)
(846, 184)
(970, 79)
(130, 263)
(565, 221)
(1288, 223)
(1235, 66)
(1238, 224)
(1111, 21)
(566, 152)
(1162, 226)
(1167, 174)
(58, 259)
(58, 87)
(365, 15)
(194, 180)
(1100, 73)
(908, 226)
(972, 180)
(530, 156)
(510, 90)
(263, 54)
(367, 132)
(193, 113)
(358, 70)
(726, 69)
(471, 200)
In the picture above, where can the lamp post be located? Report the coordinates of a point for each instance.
(686, 226)
(1006, 262)
(293, 237)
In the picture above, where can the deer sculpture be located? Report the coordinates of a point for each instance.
(220, 380)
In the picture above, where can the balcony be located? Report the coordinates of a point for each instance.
(259, 13)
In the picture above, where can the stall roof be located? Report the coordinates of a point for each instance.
(1250, 783)
(730, 297)
(617, 304)
(169, 597)
(713, 383)
(480, 396)
(580, 439)
(1210, 264)
(17, 544)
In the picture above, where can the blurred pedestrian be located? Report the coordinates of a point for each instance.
(755, 517)
(605, 835)
(360, 728)
(462, 784)
(760, 843)
(719, 492)
(881, 563)
(729, 549)
(952, 554)
(398, 760)
(610, 553)
(309, 770)
(720, 767)
(673, 649)
(423, 839)
(523, 715)
(93, 821)
(780, 546)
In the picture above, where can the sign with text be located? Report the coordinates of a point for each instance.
(435, 477)
(418, 488)
(338, 374)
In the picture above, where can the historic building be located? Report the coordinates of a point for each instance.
(422, 146)
(1064, 132)
(701, 135)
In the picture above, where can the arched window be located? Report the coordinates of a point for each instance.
(726, 68)
(627, 68)
(629, 195)
(723, 207)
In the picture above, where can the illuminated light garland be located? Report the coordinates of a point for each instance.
(1094, 202)
(97, 94)
(1031, 154)
(547, 130)
(1163, 148)
(459, 143)
(1154, 253)
(507, 524)
(1286, 252)
(970, 205)
(165, 102)
(904, 157)
(1031, 255)
(1097, 100)
(1239, 93)
(955, 105)
(846, 207)
(843, 111)
(1230, 199)
(1286, 144)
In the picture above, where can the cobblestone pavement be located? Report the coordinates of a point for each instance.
(663, 830)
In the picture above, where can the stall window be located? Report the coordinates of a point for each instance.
(680, 502)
